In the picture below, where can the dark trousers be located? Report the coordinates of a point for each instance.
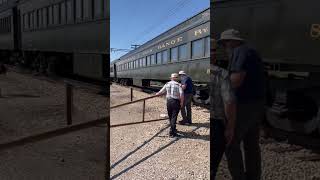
(217, 145)
(248, 121)
(173, 108)
(186, 110)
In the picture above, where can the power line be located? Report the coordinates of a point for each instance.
(117, 50)
(172, 12)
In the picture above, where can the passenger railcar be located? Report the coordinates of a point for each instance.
(184, 47)
(287, 35)
(63, 36)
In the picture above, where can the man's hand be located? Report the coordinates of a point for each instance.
(181, 105)
(228, 133)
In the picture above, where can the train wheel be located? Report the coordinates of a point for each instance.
(303, 118)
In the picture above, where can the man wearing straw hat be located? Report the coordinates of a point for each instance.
(187, 86)
(247, 80)
(175, 98)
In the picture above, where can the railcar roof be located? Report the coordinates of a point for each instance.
(159, 36)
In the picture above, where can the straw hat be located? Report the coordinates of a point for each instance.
(230, 34)
(182, 73)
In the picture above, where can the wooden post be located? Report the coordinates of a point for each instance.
(69, 103)
(0, 93)
(143, 109)
(131, 94)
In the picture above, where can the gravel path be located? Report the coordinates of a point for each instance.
(144, 151)
(32, 106)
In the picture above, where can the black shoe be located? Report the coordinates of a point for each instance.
(173, 134)
(182, 122)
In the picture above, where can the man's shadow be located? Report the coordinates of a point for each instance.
(193, 135)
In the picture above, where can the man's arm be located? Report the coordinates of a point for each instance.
(229, 107)
(181, 97)
(162, 91)
(238, 67)
(237, 78)
(183, 84)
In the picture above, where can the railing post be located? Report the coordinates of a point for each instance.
(143, 109)
(69, 103)
(131, 94)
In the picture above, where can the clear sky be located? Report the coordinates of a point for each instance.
(137, 21)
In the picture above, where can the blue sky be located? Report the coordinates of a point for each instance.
(137, 21)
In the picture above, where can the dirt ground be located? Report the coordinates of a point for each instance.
(30, 106)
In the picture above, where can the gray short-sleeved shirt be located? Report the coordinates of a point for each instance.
(246, 59)
(220, 90)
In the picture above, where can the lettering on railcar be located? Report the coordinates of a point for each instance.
(201, 31)
(170, 42)
(315, 31)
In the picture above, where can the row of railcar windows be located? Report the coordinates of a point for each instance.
(66, 12)
(3, 1)
(199, 48)
(5, 25)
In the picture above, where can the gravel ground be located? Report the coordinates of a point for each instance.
(145, 151)
(32, 106)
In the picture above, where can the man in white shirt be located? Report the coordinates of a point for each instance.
(175, 98)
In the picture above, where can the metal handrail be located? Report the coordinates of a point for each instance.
(139, 100)
(143, 111)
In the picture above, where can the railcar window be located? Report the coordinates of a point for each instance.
(40, 18)
(37, 18)
(197, 48)
(31, 21)
(132, 64)
(143, 62)
(63, 15)
(98, 8)
(87, 7)
(56, 13)
(183, 53)
(25, 21)
(79, 10)
(4, 25)
(8, 24)
(174, 54)
(159, 57)
(50, 15)
(69, 8)
(1, 26)
(148, 62)
(45, 16)
(207, 42)
(164, 56)
(153, 59)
